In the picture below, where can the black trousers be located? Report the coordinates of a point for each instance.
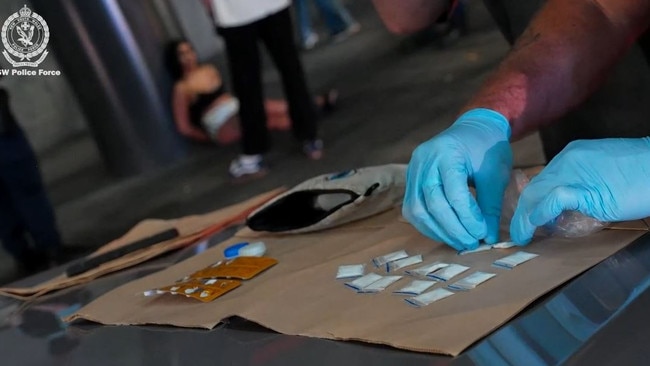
(276, 32)
(619, 108)
(25, 211)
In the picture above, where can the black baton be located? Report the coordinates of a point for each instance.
(94, 262)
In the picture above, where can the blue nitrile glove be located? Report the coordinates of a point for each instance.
(475, 149)
(607, 179)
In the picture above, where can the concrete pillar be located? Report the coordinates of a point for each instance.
(114, 64)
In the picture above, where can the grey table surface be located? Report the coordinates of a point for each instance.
(599, 318)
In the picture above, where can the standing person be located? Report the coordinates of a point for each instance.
(337, 18)
(27, 224)
(242, 23)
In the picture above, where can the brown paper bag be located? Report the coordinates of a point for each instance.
(300, 295)
(191, 229)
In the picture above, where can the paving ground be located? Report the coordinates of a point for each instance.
(395, 93)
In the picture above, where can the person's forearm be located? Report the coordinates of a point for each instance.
(198, 134)
(409, 16)
(194, 133)
(560, 59)
(180, 107)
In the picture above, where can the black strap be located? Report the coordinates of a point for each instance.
(94, 262)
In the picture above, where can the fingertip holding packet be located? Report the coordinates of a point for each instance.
(504, 245)
(480, 248)
(486, 247)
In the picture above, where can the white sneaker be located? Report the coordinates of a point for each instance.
(311, 41)
(247, 166)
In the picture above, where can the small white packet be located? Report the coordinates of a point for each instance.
(364, 281)
(351, 271)
(380, 285)
(429, 297)
(424, 270)
(486, 247)
(471, 281)
(395, 256)
(415, 288)
(514, 260)
(449, 272)
(399, 264)
(481, 248)
(504, 245)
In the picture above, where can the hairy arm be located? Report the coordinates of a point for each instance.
(180, 106)
(561, 58)
(409, 16)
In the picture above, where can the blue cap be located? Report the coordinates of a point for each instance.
(233, 250)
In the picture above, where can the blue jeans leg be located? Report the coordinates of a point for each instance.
(304, 19)
(12, 232)
(24, 198)
(336, 16)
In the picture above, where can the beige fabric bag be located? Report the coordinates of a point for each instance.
(331, 200)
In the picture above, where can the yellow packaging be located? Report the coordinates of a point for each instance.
(243, 268)
(205, 291)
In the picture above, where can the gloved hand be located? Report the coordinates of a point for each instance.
(438, 201)
(607, 179)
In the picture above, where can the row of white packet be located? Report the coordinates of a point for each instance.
(373, 283)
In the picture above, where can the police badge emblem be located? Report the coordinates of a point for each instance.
(25, 35)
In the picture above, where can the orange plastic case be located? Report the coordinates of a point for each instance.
(242, 268)
(205, 291)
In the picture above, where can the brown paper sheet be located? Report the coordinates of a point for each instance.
(300, 295)
(191, 230)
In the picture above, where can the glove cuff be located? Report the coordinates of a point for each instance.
(488, 118)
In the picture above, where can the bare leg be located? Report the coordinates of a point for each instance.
(277, 114)
(277, 119)
(230, 132)
(277, 110)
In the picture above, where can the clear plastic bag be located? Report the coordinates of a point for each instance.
(570, 224)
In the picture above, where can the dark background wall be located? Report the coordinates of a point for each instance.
(44, 106)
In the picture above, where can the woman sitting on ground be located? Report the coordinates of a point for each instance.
(204, 111)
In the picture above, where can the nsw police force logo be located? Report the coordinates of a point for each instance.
(25, 35)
